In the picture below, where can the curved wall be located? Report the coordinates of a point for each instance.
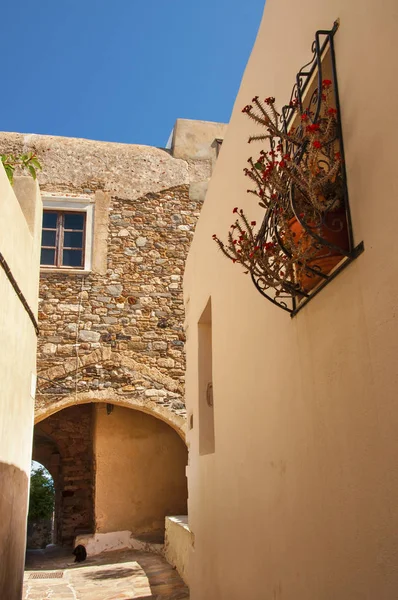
(139, 471)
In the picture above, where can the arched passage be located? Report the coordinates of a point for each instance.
(118, 469)
(164, 413)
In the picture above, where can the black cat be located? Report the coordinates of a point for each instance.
(80, 553)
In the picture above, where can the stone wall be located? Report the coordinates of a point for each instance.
(119, 327)
(63, 444)
(135, 310)
(39, 533)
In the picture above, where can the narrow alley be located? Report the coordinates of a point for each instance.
(118, 575)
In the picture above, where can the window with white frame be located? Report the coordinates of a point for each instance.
(67, 233)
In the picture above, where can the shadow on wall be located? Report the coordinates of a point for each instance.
(140, 472)
(63, 444)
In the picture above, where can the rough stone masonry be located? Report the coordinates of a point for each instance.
(115, 333)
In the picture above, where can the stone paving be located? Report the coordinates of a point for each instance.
(119, 575)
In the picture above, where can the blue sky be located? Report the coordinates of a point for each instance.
(122, 70)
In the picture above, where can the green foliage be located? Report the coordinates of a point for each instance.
(41, 500)
(27, 162)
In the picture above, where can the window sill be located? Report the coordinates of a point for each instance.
(66, 271)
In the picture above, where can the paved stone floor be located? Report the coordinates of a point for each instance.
(120, 575)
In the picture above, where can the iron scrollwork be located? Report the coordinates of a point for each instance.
(319, 223)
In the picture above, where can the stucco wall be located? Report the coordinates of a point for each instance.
(140, 471)
(20, 226)
(301, 492)
(178, 545)
(195, 140)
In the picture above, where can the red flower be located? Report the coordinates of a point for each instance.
(313, 127)
(332, 111)
(269, 100)
(253, 223)
(304, 117)
(337, 156)
(247, 108)
(317, 144)
(326, 83)
(282, 164)
(255, 99)
(235, 209)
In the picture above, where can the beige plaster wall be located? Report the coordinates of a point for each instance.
(194, 140)
(139, 471)
(20, 227)
(300, 499)
(178, 545)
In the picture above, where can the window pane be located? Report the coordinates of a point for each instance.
(73, 239)
(72, 258)
(48, 238)
(74, 221)
(47, 257)
(50, 220)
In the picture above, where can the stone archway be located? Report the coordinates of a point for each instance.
(99, 441)
(162, 397)
(174, 420)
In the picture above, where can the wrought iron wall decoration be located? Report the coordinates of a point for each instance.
(306, 236)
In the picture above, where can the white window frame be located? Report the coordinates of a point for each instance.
(80, 204)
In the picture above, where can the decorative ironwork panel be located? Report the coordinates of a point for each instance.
(306, 237)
